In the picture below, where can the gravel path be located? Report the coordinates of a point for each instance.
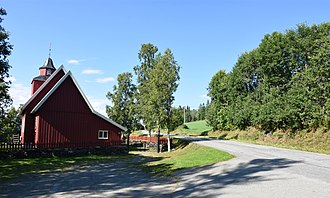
(257, 171)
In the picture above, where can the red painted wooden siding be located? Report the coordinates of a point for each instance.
(28, 127)
(66, 117)
(35, 85)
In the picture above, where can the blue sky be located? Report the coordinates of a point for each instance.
(99, 39)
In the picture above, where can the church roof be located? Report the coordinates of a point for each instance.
(41, 78)
(48, 64)
(57, 85)
(61, 68)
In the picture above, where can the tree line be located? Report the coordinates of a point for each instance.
(284, 83)
(9, 118)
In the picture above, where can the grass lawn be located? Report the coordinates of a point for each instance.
(195, 128)
(13, 168)
(186, 155)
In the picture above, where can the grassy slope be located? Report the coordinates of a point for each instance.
(194, 128)
(187, 155)
(314, 141)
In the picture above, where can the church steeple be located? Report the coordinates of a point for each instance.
(44, 72)
(48, 68)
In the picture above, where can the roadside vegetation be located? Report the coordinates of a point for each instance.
(278, 93)
(282, 84)
(313, 141)
(186, 155)
(306, 140)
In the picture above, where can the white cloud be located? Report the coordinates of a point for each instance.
(19, 93)
(99, 104)
(105, 80)
(91, 71)
(74, 62)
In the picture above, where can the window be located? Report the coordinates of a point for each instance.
(49, 72)
(103, 134)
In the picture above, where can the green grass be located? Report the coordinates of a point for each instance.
(12, 168)
(187, 155)
(313, 141)
(195, 128)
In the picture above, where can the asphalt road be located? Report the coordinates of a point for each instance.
(257, 171)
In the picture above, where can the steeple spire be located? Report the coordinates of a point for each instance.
(50, 49)
(44, 72)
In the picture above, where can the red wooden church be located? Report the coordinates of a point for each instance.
(58, 114)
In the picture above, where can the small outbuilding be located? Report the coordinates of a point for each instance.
(58, 114)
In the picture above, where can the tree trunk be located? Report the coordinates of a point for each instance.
(128, 141)
(168, 141)
(158, 140)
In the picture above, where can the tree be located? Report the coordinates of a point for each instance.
(176, 117)
(5, 50)
(157, 77)
(123, 98)
(164, 83)
(11, 125)
(281, 84)
(145, 106)
(201, 112)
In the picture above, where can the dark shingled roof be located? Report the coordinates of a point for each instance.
(48, 64)
(41, 78)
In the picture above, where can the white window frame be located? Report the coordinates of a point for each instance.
(103, 134)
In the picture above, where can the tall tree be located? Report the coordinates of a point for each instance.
(145, 106)
(157, 77)
(5, 50)
(176, 117)
(164, 83)
(123, 110)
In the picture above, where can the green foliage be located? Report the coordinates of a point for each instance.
(157, 81)
(11, 125)
(282, 84)
(145, 106)
(176, 118)
(314, 141)
(5, 50)
(123, 110)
